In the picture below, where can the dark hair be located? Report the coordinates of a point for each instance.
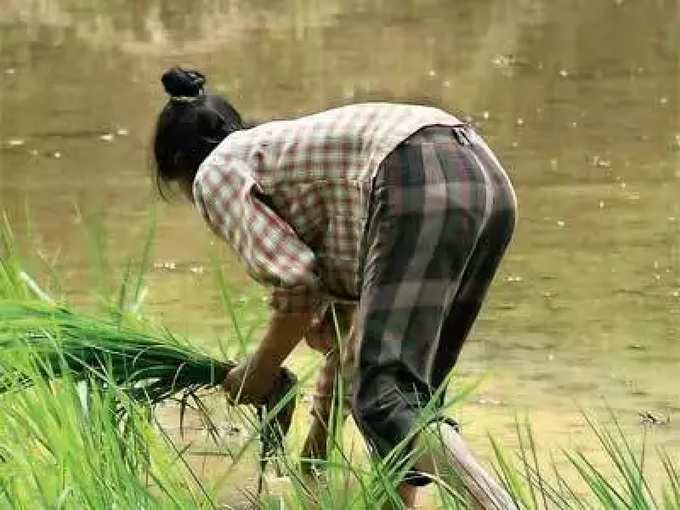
(189, 127)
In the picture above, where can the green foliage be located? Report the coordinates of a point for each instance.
(62, 447)
(152, 368)
(67, 378)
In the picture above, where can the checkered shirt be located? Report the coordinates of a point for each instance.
(291, 197)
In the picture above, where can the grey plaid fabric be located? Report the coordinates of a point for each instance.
(442, 214)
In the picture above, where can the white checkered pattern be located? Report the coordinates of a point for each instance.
(291, 197)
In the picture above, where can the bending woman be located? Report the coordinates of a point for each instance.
(402, 209)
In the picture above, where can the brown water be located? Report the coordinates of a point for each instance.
(579, 99)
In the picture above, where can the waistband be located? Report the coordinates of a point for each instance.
(462, 134)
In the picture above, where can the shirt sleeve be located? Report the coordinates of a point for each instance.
(273, 254)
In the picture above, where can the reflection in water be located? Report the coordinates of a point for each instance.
(581, 103)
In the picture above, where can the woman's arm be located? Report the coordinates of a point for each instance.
(231, 202)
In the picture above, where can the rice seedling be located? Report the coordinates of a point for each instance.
(59, 451)
(148, 365)
(67, 379)
(154, 368)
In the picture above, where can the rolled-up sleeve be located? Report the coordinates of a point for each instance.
(272, 253)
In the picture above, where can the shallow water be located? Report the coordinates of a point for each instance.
(579, 99)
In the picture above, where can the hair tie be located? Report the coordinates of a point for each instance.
(186, 99)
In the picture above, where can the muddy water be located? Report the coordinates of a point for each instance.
(579, 99)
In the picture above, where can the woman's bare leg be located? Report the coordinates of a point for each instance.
(447, 456)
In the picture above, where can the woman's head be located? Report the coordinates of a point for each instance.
(189, 127)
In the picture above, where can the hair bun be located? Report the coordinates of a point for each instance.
(180, 82)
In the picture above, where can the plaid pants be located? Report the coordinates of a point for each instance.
(442, 214)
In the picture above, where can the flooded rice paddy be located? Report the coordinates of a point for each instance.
(579, 99)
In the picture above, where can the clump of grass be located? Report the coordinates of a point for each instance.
(620, 481)
(61, 450)
(46, 344)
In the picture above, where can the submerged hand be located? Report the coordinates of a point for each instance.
(250, 382)
(253, 379)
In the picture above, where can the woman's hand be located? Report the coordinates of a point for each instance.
(252, 380)
(248, 383)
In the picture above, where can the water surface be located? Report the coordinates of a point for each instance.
(579, 100)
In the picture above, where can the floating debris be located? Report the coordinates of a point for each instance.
(551, 357)
(504, 60)
(520, 121)
(514, 279)
(167, 265)
(653, 419)
(554, 164)
(671, 218)
(564, 73)
(637, 347)
(663, 100)
(432, 73)
(122, 132)
(108, 137)
(675, 144)
(56, 154)
(598, 162)
(489, 402)
(574, 124)
(601, 204)
(10, 70)
(675, 293)
(15, 142)
(34, 152)
(197, 269)
(486, 116)
(515, 145)
(560, 223)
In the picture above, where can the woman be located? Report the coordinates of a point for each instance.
(402, 209)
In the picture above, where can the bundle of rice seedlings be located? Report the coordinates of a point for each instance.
(37, 335)
(149, 368)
